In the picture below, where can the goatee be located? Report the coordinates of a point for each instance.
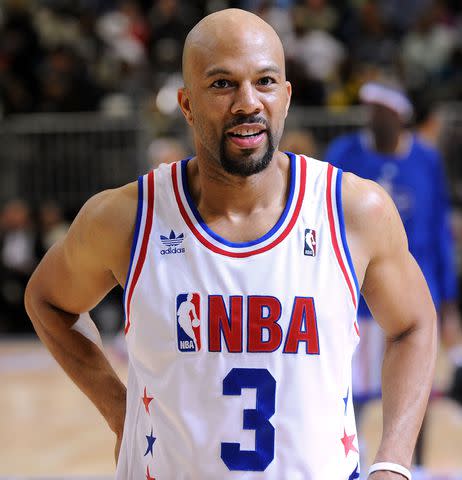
(243, 165)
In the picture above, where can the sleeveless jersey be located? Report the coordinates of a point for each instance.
(240, 353)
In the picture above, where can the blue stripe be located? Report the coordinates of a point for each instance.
(338, 198)
(139, 211)
(355, 474)
(222, 240)
(361, 398)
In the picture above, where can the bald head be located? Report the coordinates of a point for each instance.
(235, 84)
(228, 31)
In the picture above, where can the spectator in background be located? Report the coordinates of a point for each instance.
(412, 173)
(51, 227)
(17, 261)
(125, 33)
(131, 48)
(374, 43)
(65, 83)
(20, 54)
(279, 18)
(427, 48)
(316, 49)
(317, 15)
(170, 21)
(401, 15)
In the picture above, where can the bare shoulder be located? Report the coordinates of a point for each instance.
(103, 229)
(111, 210)
(370, 215)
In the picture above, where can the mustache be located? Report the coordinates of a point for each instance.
(246, 119)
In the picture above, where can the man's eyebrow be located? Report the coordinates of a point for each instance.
(270, 68)
(217, 71)
(223, 71)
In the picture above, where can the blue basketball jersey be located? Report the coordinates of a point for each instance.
(416, 182)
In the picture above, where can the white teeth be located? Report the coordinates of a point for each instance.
(247, 131)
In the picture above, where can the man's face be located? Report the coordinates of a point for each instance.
(236, 100)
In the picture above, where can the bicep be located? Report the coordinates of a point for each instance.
(397, 294)
(394, 286)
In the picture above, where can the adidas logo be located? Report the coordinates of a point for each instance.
(173, 243)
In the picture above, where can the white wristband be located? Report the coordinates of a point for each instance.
(391, 467)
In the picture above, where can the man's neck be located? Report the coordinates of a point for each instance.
(394, 145)
(229, 202)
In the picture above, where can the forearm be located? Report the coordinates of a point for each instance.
(82, 359)
(407, 375)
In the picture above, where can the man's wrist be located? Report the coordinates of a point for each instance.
(115, 412)
(385, 475)
(395, 469)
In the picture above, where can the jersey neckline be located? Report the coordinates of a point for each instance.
(217, 243)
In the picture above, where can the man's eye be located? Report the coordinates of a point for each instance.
(221, 83)
(266, 81)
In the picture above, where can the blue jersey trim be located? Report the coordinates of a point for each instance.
(222, 240)
(341, 222)
(139, 210)
(361, 398)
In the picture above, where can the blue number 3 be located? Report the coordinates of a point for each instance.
(255, 419)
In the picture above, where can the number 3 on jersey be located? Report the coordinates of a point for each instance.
(254, 419)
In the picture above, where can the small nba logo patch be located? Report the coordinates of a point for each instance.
(310, 242)
(188, 322)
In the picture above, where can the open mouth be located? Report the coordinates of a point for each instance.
(247, 136)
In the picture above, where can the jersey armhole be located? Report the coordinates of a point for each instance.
(341, 221)
(143, 225)
(139, 210)
(337, 231)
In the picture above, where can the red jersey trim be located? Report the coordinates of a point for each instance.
(250, 253)
(333, 233)
(144, 245)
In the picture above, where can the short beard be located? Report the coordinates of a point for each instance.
(240, 166)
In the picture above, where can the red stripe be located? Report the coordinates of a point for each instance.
(357, 329)
(144, 245)
(221, 251)
(330, 215)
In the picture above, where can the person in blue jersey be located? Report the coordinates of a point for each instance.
(412, 173)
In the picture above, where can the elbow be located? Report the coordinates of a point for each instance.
(31, 298)
(422, 332)
(426, 336)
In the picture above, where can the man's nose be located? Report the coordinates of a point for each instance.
(247, 100)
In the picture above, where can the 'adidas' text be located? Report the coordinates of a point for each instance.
(170, 251)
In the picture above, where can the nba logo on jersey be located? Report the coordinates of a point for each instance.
(310, 242)
(188, 322)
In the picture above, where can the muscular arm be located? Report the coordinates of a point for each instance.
(398, 297)
(72, 278)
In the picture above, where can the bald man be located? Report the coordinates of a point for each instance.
(263, 390)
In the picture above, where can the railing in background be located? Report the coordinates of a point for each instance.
(69, 157)
(451, 148)
(324, 124)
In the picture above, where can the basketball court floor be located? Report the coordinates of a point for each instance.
(49, 430)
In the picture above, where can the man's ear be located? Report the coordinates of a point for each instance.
(289, 96)
(185, 104)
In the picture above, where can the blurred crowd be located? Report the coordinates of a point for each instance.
(26, 234)
(24, 239)
(83, 55)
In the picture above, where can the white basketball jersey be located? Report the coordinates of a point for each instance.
(240, 353)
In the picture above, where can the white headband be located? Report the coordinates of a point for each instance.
(388, 97)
